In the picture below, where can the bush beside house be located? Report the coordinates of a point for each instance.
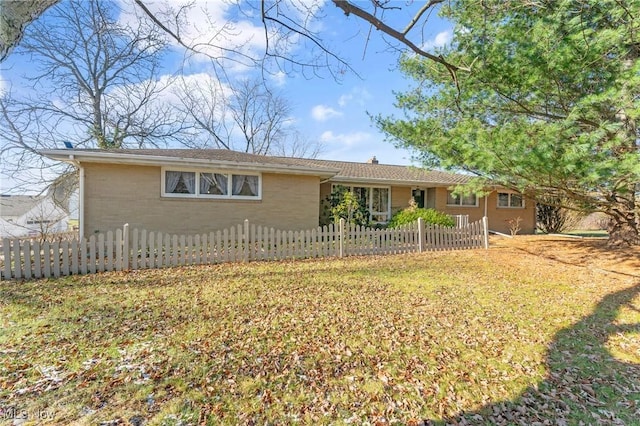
(412, 213)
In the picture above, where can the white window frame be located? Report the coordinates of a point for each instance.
(510, 193)
(477, 204)
(228, 196)
(370, 188)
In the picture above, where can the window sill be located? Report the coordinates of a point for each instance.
(209, 199)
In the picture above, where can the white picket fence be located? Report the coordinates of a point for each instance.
(460, 219)
(138, 249)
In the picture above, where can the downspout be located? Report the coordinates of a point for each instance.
(485, 221)
(81, 202)
(80, 196)
(486, 201)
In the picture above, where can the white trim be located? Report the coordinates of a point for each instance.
(182, 162)
(199, 196)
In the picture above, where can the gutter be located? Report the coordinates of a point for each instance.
(391, 182)
(154, 160)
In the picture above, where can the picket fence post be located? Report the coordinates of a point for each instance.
(6, 247)
(485, 230)
(245, 241)
(341, 237)
(125, 247)
(421, 238)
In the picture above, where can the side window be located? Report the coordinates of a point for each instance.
(510, 200)
(470, 200)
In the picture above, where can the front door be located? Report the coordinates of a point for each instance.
(418, 197)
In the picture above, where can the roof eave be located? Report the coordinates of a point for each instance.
(75, 157)
(392, 182)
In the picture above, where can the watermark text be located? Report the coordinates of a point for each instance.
(15, 413)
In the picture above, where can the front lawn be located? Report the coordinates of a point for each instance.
(588, 233)
(497, 337)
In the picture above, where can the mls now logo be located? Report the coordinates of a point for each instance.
(14, 413)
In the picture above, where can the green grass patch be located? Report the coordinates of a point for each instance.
(490, 336)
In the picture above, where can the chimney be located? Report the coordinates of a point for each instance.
(372, 160)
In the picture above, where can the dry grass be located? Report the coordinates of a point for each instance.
(500, 337)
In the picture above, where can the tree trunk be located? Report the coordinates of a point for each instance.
(624, 229)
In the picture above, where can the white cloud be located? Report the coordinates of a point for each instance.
(344, 100)
(359, 95)
(212, 27)
(229, 32)
(348, 139)
(441, 39)
(324, 113)
(279, 79)
(4, 87)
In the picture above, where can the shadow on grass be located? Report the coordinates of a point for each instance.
(578, 252)
(585, 384)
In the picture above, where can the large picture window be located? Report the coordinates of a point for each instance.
(182, 183)
(377, 200)
(511, 200)
(470, 200)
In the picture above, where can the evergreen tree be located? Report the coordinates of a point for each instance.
(549, 105)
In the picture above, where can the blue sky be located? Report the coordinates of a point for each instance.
(336, 112)
(323, 109)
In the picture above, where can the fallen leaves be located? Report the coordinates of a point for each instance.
(468, 337)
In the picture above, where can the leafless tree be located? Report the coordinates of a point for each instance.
(261, 116)
(296, 145)
(291, 39)
(95, 83)
(103, 75)
(243, 116)
(203, 100)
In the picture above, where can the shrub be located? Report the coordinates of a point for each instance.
(552, 217)
(514, 225)
(344, 204)
(594, 221)
(411, 214)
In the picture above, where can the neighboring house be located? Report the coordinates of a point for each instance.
(196, 191)
(27, 215)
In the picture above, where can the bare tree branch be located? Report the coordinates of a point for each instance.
(95, 83)
(286, 25)
(418, 16)
(245, 116)
(350, 8)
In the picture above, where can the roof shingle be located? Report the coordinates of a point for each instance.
(350, 171)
